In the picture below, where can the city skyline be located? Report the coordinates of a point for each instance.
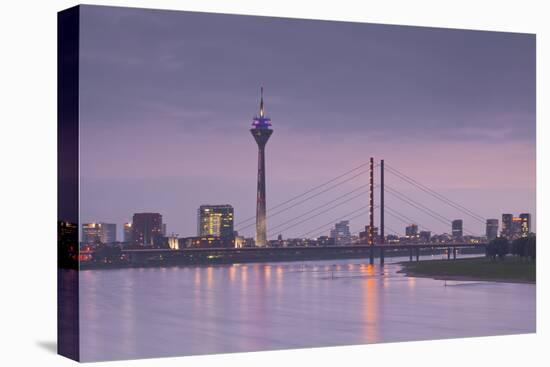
(212, 219)
(152, 143)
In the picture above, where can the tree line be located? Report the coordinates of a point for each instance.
(524, 248)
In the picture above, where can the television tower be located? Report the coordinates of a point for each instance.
(261, 131)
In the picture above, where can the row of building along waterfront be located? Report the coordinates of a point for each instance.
(215, 228)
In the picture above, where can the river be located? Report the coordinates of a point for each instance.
(159, 312)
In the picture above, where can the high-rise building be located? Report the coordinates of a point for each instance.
(491, 230)
(261, 131)
(96, 233)
(506, 230)
(341, 233)
(516, 227)
(108, 233)
(91, 233)
(517, 223)
(411, 231)
(147, 229)
(215, 220)
(456, 227)
(525, 224)
(127, 234)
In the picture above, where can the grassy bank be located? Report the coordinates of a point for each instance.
(508, 270)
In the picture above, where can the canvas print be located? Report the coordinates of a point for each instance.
(233, 183)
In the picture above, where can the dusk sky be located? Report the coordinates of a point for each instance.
(167, 100)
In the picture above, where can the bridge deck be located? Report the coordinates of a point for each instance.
(314, 248)
(194, 256)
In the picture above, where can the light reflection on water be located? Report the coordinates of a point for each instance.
(137, 313)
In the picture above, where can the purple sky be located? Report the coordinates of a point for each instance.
(167, 99)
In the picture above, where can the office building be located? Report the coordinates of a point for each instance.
(341, 234)
(411, 231)
(127, 232)
(507, 230)
(215, 220)
(525, 224)
(98, 233)
(147, 229)
(108, 233)
(91, 233)
(516, 227)
(456, 227)
(491, 229)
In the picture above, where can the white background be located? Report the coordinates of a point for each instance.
(28, 180)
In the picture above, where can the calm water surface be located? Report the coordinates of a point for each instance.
(154, 312)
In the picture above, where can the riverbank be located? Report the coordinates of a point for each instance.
(509, 270)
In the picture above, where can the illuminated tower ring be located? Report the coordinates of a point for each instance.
(261, 131)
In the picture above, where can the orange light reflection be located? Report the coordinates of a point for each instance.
(370, 304)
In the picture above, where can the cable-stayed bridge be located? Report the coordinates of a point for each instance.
(328, 201)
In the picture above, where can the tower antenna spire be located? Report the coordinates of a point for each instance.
(261, 101)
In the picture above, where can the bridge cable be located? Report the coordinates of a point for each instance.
(325, 204)
(394, 213)
(423, 208)
(317, 234)
(318, 214)
(434, 193)
(303, 200)
(315, 188)
(339, 218)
